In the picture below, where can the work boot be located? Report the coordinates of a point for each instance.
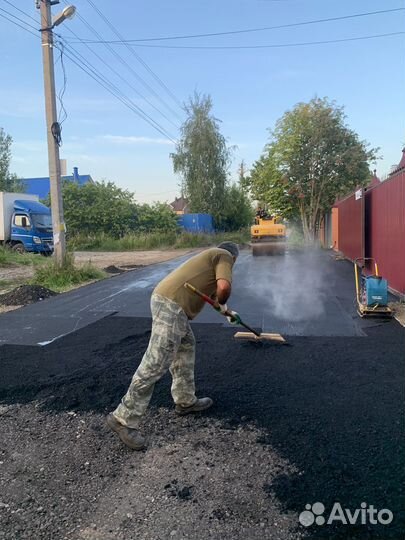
(130, 437)
(200, 405)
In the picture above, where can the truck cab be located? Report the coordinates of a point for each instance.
(25, 223)
(31, 227)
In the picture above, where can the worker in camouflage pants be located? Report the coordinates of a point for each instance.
(172, 343)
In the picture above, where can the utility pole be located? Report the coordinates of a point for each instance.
(53, 131)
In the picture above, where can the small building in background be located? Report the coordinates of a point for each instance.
(400, 168)
(194, 223)
(375, 181)
(41, 186)
(179, 205)
(197, 223)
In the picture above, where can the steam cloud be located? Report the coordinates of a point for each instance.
(294, 286)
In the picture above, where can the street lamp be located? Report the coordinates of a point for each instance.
(67, 13)
(52, 124)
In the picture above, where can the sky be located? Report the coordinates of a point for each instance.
(250, 88)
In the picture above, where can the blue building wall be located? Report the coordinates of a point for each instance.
(41, 186)
(197, 223)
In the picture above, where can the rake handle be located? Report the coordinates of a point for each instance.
(212, 303)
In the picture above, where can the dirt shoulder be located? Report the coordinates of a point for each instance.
(128, 259)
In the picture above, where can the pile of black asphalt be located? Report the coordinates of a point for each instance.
(26, 294)
(112, 269)
(319, 421)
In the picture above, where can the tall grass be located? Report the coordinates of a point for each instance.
(8, 257)
(154, 240)
(59, 278)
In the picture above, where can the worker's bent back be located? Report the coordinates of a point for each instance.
(202, 271)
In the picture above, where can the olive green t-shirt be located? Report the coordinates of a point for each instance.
(201, 271)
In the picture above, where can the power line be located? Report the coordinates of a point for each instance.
(113, 89)
(18, 19)
(138, 58)
(17, 24)
(272, 46)
(24, 13)
(86, 67)
(95, 75)
(124, 79)
(62, 115)
(21, 11)
(122, 61)
(250, 30)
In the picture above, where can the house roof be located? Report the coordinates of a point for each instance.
(401, 164)
(179, 204)
(374, 180)
(41, 186)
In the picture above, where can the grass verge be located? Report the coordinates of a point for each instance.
(154, 240)
(8, 257)
(62, 278)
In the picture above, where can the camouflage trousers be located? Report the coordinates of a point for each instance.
(171, 346)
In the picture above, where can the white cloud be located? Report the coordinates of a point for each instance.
(132, 140)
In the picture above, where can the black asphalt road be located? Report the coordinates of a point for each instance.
(319, 421)
(307, 294)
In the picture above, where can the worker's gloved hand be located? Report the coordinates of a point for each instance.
(221, 308)
(234, 317)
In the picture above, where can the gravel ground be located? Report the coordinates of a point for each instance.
(321, 420)
(128, 259)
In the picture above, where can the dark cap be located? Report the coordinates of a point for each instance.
(231, 247)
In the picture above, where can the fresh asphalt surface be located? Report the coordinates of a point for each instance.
(321, 420)
(298, 294)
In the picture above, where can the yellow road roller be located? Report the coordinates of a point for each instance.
(268, 234)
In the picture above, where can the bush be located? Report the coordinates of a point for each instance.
(103, 207)
(156, 217)
(238, 212)
(58, 278)
(98, 207)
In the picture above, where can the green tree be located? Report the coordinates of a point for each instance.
(156, 217)
(8, 181)
(312, 158)
(238, 212)
(202, 158)
(103, 207)
(99, 207)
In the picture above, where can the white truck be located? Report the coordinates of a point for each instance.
(25, 223)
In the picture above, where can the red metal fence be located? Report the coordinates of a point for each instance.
(373, 225)
(385, 229)
(351, 225)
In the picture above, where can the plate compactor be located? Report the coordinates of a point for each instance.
(371, 291)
